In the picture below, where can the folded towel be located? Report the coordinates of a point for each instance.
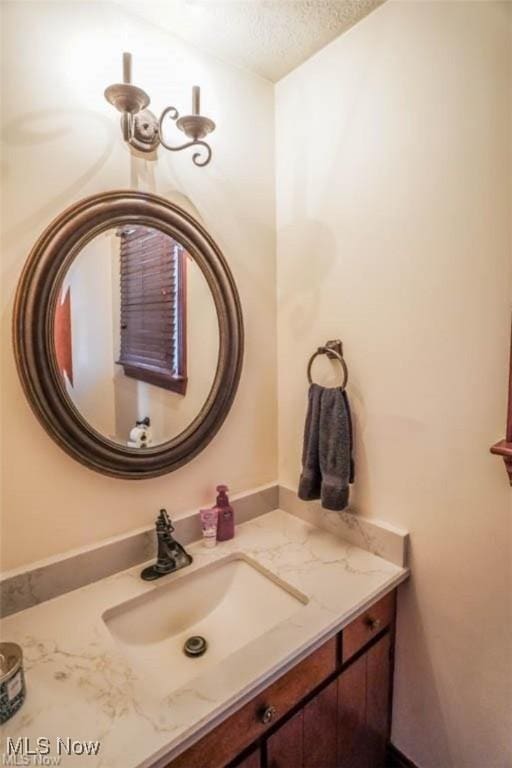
(310, 479)
(327, 464)
(335, 449)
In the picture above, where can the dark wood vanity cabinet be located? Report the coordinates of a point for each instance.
(332, 710)
(345, 725)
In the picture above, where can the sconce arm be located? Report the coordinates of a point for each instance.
(196, 157)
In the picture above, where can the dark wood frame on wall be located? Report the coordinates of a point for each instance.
(504, 447)
(33, 332)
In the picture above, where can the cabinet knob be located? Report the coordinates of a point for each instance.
(267, 715)
(373, 624)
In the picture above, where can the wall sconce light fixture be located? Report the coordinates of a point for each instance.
(143, 130)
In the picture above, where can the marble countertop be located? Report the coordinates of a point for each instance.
(81, 686)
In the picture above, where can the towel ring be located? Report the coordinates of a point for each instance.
(333, 350)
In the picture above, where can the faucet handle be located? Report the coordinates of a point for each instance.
(163, 522)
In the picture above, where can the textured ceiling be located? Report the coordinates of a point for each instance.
(268, 37)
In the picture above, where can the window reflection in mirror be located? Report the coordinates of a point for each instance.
(153, 313)
(136, 336)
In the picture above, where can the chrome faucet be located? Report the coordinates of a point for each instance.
(171, 556)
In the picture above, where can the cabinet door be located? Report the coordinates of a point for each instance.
(285, 748)
(251, 761)
(320, 729)
(378, 712)
(364, 709)
(352, 744)
(309, 739)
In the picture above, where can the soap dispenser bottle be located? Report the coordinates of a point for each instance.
(226, 517)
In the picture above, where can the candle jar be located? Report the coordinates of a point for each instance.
(12, 680)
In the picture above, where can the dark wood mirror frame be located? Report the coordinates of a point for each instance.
(504, 447)
(33, 332)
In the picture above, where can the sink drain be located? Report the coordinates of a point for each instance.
(195, 646)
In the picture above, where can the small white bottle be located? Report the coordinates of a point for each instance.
(209, 518)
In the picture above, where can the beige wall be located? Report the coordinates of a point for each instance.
(394, 233)
(62, 142)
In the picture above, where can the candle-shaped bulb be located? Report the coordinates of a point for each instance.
(196, 100)
(127, 68)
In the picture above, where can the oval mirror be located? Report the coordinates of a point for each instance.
(128, 334)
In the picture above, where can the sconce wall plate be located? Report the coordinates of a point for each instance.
(143, 131)
(146, 134)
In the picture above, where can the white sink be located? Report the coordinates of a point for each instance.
(229, 603)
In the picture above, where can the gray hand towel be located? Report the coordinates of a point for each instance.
(335, 449)
(310, 479)
(327, 464)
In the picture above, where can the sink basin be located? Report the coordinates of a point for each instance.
(229, 603)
